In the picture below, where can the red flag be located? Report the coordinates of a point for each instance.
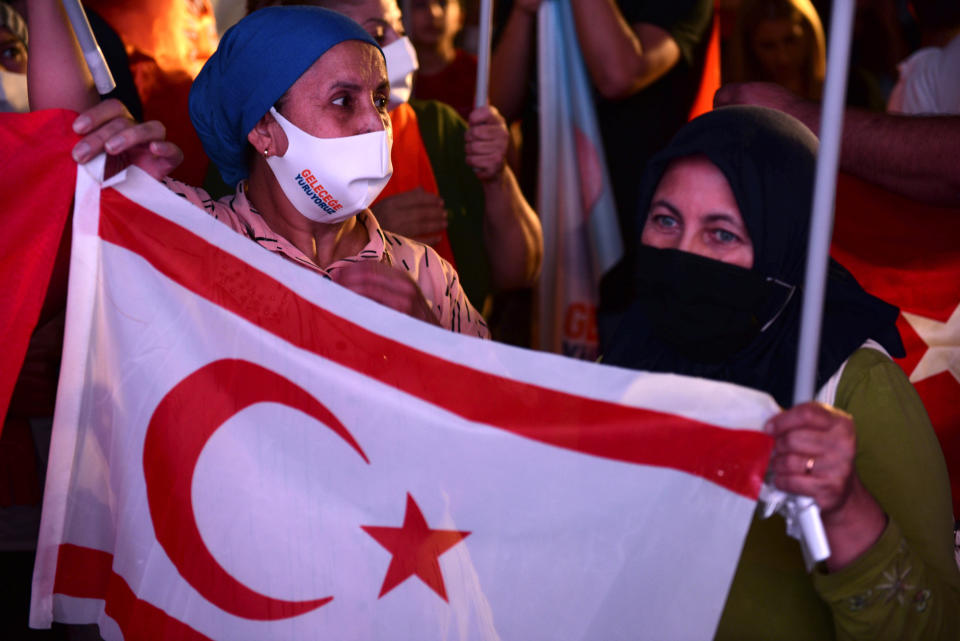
(908, 254)
(710, 80)
(36, 161)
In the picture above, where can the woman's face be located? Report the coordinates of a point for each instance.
(344, 93)
(693, 209)
(381, 19)
(780, 47)
(13, 53)
(434, 21)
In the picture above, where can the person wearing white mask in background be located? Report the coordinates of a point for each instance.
(13, 60)
(451, 188)
(292, 110)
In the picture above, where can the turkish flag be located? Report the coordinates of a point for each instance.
(37, 177)
(908, 253)
(242, 450)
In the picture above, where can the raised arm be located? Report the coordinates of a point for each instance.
(916, 156)
(512, 60)
(511, 230)
(57, 76)
(621, 58)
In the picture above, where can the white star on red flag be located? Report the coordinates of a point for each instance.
(943, 345)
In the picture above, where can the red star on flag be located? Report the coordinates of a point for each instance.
(416, 549)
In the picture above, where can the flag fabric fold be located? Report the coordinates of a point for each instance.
(581, 235)
(243, 450)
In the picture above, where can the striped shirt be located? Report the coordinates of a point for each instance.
(436, 278)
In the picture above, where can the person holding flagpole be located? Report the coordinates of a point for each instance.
(723, 228)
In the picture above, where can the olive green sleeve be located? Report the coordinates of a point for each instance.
(907, 585)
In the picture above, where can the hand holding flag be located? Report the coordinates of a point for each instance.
(109, 127)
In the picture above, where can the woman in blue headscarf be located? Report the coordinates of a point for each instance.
(717, 278)
(292, 109)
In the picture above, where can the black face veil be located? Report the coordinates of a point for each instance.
(769, 159)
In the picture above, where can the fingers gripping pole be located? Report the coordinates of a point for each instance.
(88, 45)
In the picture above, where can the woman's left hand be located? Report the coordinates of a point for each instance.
(813, 453)
(487, 140)
(109, 127)
(814, 450)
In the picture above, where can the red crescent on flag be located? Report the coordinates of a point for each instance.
(182, 424)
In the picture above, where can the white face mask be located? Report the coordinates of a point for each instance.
(401, 60)
(330, 179)
(13, 92)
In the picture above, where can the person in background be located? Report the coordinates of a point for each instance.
(447, 73)
(779, 41)
(14, 57)
(929, 80)
(717, 280)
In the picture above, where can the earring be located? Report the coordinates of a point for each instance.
(266, 153)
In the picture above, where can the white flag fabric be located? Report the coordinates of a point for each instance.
(243, 450)
(581, 236)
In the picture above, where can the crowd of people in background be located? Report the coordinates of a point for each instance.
(712, 212)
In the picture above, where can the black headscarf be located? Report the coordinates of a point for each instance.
(769, 159)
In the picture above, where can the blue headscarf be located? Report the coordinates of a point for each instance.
(258, 59)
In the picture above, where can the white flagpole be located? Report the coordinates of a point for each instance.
(88, 45)
(805, 511)
(483, 52)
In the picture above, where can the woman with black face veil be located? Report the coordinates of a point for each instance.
(717, 280)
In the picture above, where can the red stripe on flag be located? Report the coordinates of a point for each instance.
(734, 459)
(88, 574)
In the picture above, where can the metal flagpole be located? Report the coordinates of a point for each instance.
(804, 510)
(88, 45)
(483, 52)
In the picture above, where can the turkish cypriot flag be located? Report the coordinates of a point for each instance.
(244, 450)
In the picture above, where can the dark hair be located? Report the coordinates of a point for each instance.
(937, 14)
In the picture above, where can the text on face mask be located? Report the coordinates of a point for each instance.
(312, 187)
